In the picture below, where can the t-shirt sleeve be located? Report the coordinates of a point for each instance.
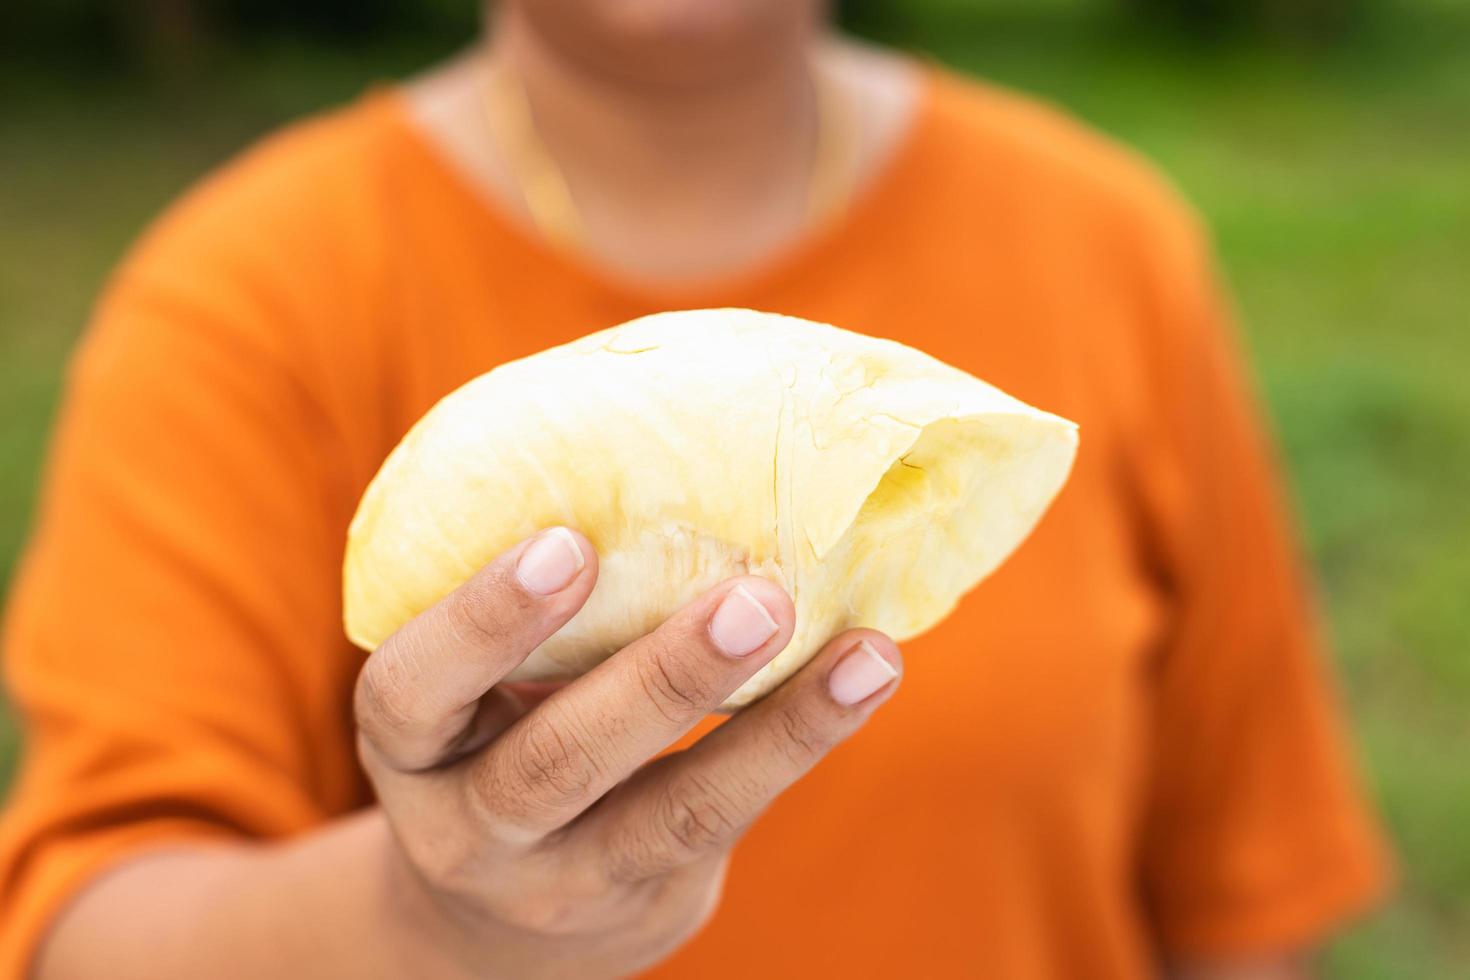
(1257, 836)
(174, 643)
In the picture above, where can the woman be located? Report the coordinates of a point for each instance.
(1119, 757)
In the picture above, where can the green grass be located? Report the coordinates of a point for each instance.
(1338, 184)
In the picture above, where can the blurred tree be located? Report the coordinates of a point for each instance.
(885, 20)
(168, 34)
(165, 34)
(1308, 20)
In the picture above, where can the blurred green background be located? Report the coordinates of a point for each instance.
(1327, 140)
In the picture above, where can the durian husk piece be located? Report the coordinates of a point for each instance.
(877, 484)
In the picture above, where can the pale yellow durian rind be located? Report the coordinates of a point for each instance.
(876, 483)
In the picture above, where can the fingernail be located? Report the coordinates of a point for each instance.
(550, 562)
(741, 625)
(859, 675)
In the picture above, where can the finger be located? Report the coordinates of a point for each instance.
(697, 802)
(417, 693)
(587, 737)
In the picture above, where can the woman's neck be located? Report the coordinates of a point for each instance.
(674, 152)
(673, 183)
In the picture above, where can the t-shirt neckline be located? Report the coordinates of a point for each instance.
(808, 249)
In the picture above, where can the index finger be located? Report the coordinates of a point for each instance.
(556, 761)
(418, 691)
(695, 803)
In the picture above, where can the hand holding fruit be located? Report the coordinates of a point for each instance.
(538, 840)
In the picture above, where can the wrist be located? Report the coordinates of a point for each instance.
(423, 937)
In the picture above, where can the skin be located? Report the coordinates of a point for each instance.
(518, 834)
(655, 152)
(522, 832)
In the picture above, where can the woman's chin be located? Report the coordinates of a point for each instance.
(679, 40)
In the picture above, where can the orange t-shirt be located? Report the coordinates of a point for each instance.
(1122, 747)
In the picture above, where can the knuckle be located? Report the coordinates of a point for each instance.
(697, 815)
(385, 702)
(470, 613)
(550, 763)
(690, 819)
(637, 853)
(676, 688)
(802, 735)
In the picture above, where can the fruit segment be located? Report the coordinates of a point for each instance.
(874, 482)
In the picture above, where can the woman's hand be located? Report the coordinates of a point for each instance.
(519, 834)
(538, 840)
